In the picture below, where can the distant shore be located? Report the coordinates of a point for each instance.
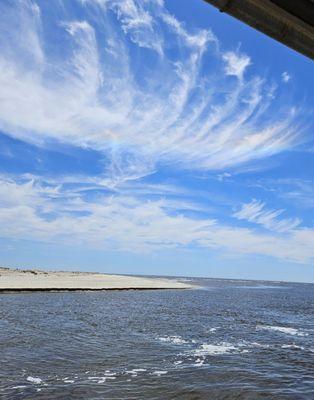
(18, 280)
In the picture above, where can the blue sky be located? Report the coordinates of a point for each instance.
(153, 137)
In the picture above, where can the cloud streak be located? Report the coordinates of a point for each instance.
(76, 214)
(255, 212)
(127, 79)
(96, 91)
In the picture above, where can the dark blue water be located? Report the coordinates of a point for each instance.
(229, 340)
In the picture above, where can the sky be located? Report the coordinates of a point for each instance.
(153, 137)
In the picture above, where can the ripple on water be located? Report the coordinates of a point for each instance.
(154, 344)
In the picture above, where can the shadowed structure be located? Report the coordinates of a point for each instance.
(291, 22)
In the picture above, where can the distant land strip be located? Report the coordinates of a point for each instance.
(19, 280)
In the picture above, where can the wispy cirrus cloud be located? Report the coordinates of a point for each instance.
(127, 79)
(298, 191)
(93, 92)
(48, 212)
(236, 63)
(256, 212)
(285, 77)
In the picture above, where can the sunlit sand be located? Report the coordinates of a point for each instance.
(16, 279)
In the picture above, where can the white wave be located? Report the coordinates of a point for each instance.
(214, 349)
(292, 346)
(19, 387)
(213, 330)
(178, 362)
(32, 379)
(175, 340)
(105, 378)
(68, 381)
(109, 373)
(199, 362)
(256, 344)
(159, 373)
(209, 349)
(135, 371)
(101, 379)
(283, 329)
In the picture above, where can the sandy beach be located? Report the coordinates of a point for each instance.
(36, 280)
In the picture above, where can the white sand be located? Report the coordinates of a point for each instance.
(16, 279)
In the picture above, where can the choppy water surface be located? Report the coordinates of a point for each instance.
(229, 340)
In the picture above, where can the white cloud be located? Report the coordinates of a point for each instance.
(89, 93)
(199, 40)
(285, 77)
(255, 212)
(42, 211)
(137, 22)
(39, 211)
(223, 176)
(236, 63)
(177, 109)
(296, 191)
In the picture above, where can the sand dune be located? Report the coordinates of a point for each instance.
(18, 280)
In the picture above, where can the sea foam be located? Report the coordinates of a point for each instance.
(159, 373)
(214, 349)
(37, 381)
(292, 346)
(175, 340)
(283, 329)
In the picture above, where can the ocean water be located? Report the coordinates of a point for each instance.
(227, 340)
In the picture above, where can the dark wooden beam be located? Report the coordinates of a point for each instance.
(291, 22)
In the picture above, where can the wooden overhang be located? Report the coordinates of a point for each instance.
(291, 22)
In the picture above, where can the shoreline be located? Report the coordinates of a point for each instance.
(57, 290)
(35, 280)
